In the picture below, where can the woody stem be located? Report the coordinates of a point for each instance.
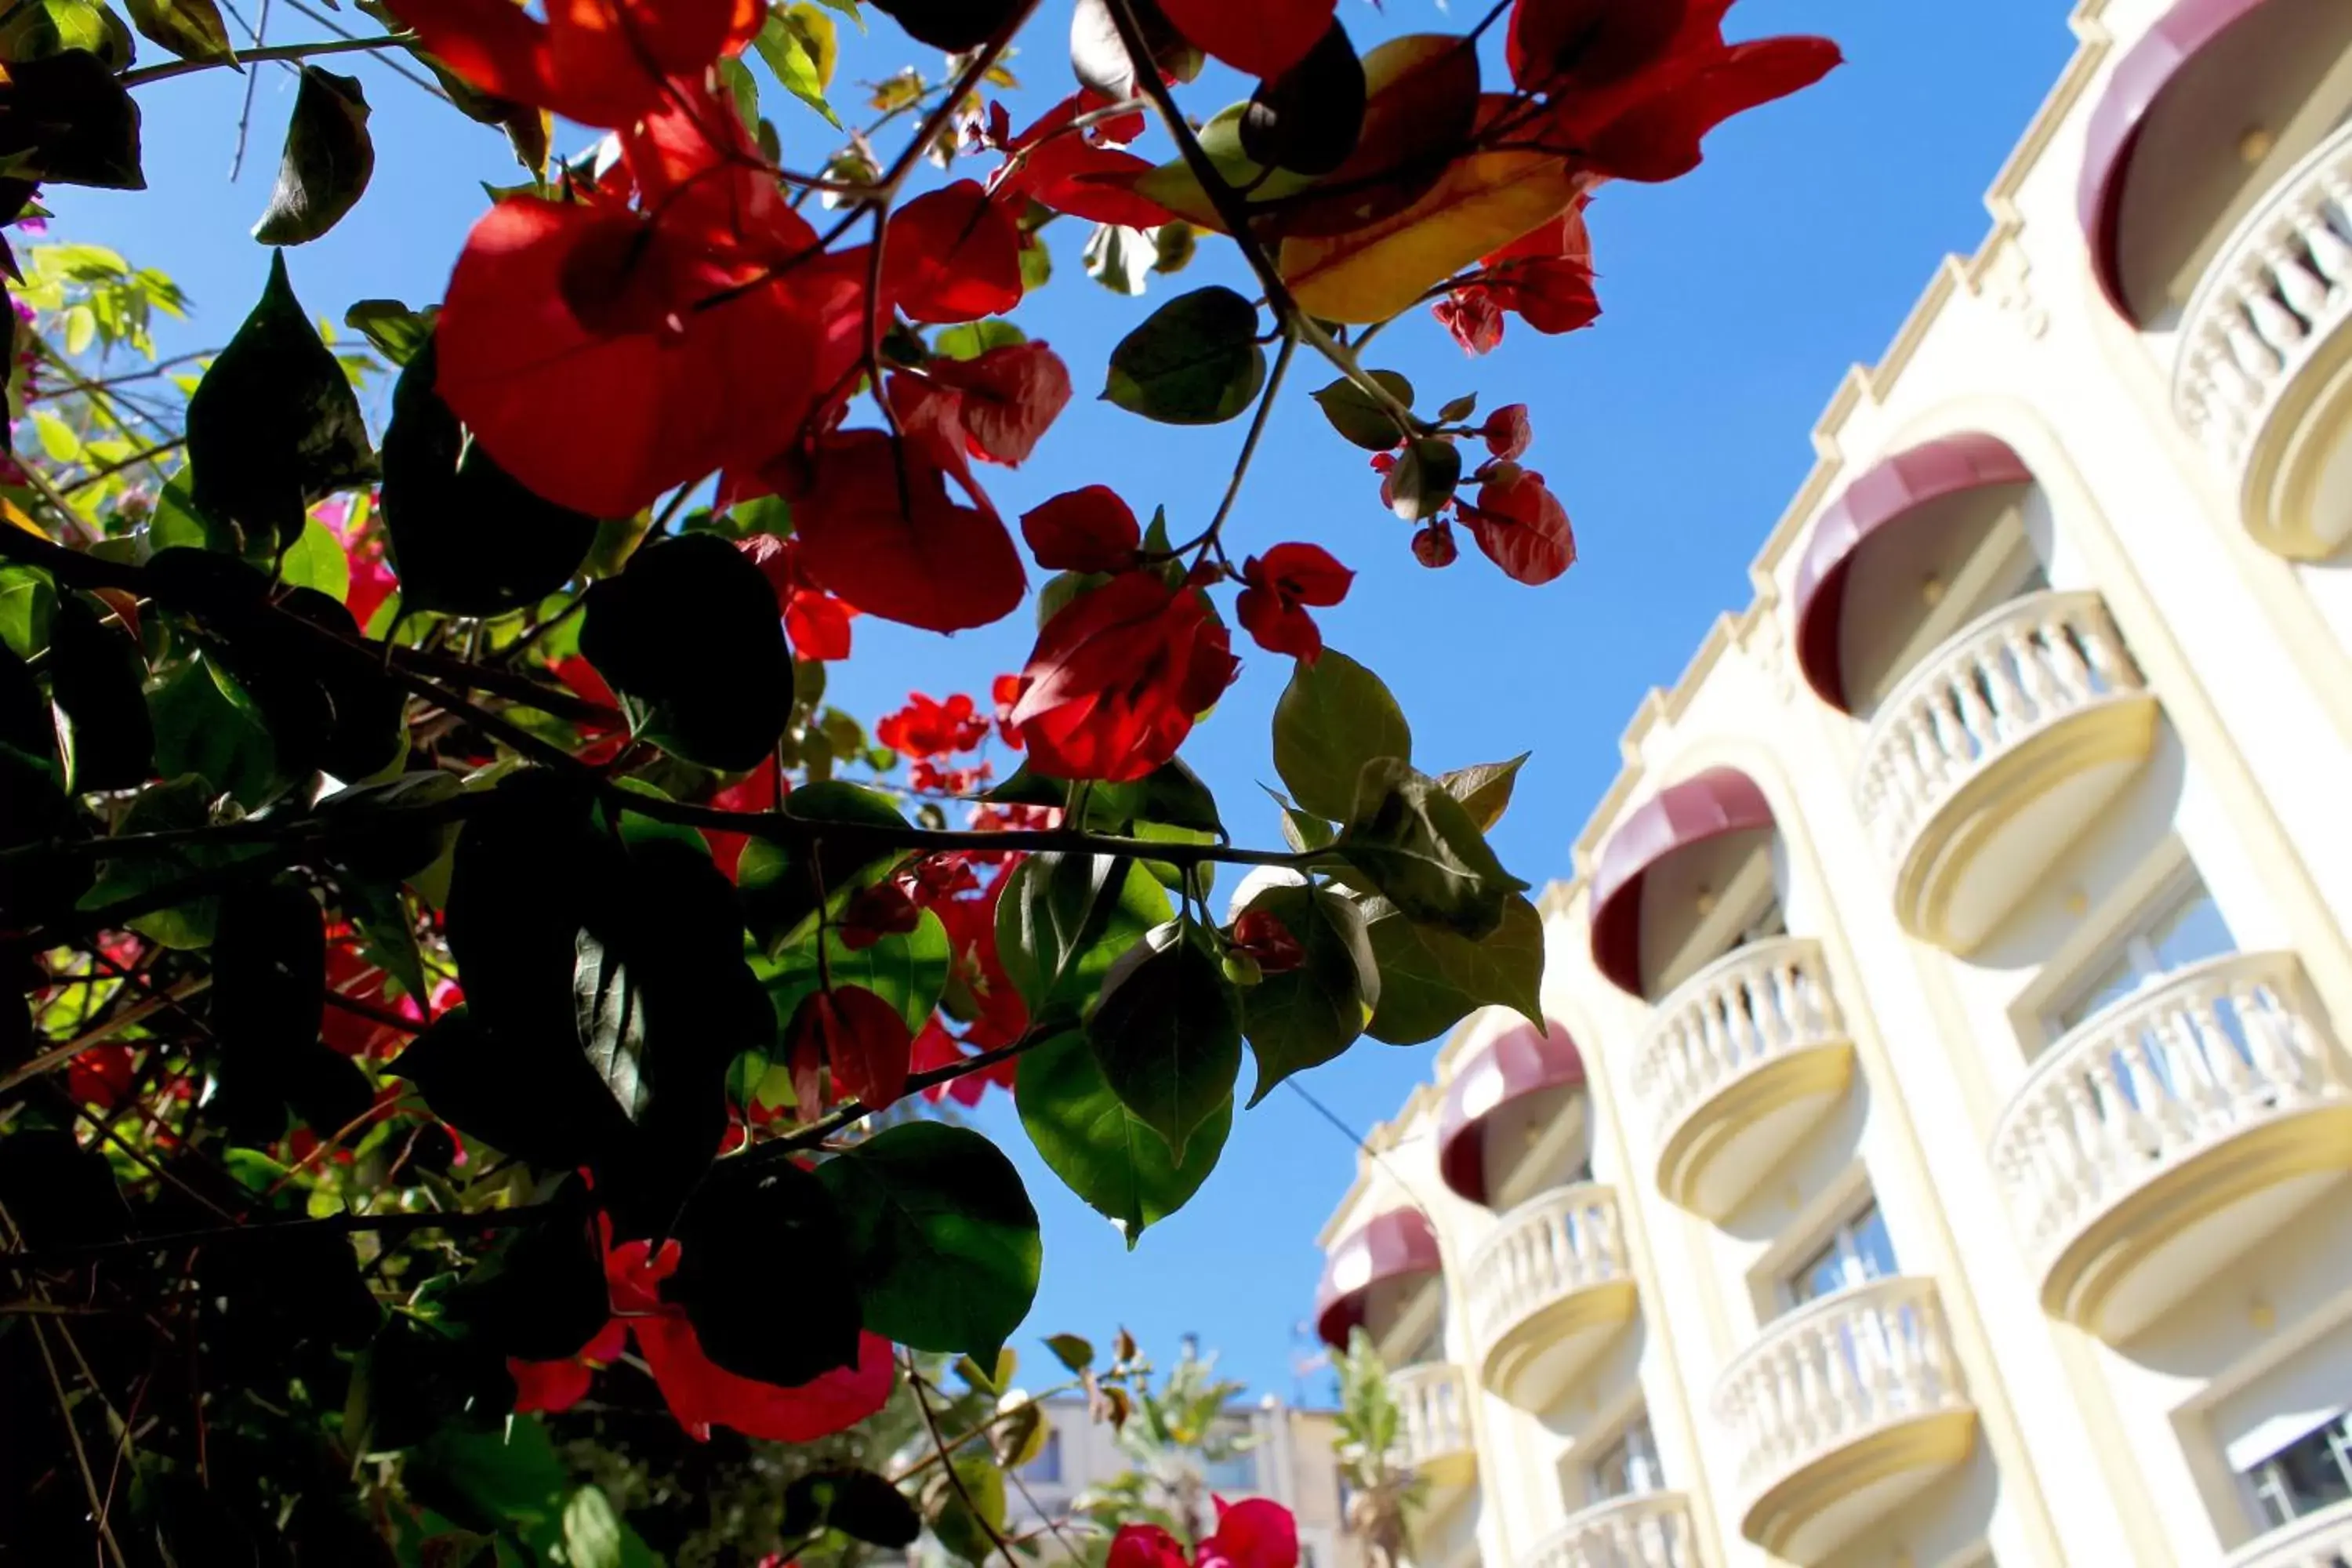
(142, 77)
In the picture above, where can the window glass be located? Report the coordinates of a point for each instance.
(1234, 1473)
(1626, 1468)
(1858, 1251)
(2311, 1473)
(2185, 928)
(1045, 1469)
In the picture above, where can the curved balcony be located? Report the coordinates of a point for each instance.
(1742, 1061)
(1547, 1291)
(1842, 1411)
(1651, 1530)
(2263, 376)
(2321, 1540)
(1997, 750)
(1433, 1423)
(2170, 1133)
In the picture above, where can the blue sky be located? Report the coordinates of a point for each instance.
(1673, 431)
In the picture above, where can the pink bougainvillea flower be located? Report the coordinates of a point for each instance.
(816, 624)
(953, 254)
(1144, 1546)
(862, 1041)
(1281, 583)
(556, 1386)
(886, 908)
(1118, 677)
(1008, 398)
(1076, 171)
(1507, 433)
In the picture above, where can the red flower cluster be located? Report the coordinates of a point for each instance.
(1253, 1534)
(1281, 583)
(925, 728)
(700, 1394)
(861, 1039)
(1118, 678)
(1267, 941)
(1546, 276)
(1515, 520)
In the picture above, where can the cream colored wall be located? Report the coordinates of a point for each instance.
(2087, 1454)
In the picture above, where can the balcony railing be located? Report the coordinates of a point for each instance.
(1549, 1248)
(2000, 680)
(1869, 1368)
(2277, 290)
(1651, 1530)
(1547, 1289)
(2201, 1058)
(1733, 1023)
(1433, 1406)
(2322, 1539)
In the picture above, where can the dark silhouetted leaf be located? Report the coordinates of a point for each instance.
(690, 633)
(96, 677)
(942, 1237)
(858, 1504)
(398, 332)
(1194, 361)
(59, 1194)
(466, 537)
(1309, 119)
(764, 1275)
(954, 26)
(65, 119)
(274, 426)
(1424, 478)
(327, 161)
(269, 969)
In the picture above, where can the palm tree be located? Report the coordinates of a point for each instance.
(1383, 1492)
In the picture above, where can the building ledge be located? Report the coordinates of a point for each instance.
(1647, 1530)
(1547, 1291)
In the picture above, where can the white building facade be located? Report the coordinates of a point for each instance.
(1937, 1153)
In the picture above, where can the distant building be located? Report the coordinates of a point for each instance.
(1291, 1461)
(1938, 1155)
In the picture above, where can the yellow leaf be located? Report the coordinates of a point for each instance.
(1479, 206)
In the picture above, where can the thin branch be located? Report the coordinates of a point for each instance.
(107, 471)
(1209, 537)
(146, 74)
(138, 1012)
(384, 1224)
(955, 1479)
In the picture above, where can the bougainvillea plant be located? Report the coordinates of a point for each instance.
(456, 956)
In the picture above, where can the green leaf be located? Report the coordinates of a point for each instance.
(1461, 408)
(1075, 1353)
(95, 679)
(178, 804)
(1168, 1035)
(1066, 919)
(609, 1011)
(206, 725)
(274, 425)
(191, 30)
(907, 969)
(764, 1274)
(974, 339)
(59, 442)
(1431, 979)
(1303, 1017)
(466, 537)
(1194, 361)
(779, 884)
(316, 560)
(967, 1510)
(942, 1238)
(1333, 717)
(799, 45)
(1354, 414)
(38, 29)
(326, 162)
(398, 332)
(1424, 478)
(1102, 1150)
(1484, 790)
(27, 600)
(1421, 851)
(688, 634)
(592, 1532)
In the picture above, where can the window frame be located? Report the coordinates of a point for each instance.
(1839, 1241)
(2126, 943)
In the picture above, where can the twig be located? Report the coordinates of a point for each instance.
(931, 1425)
(1209, 537)
(137, 1012)
(107, 471)
(252, 81)
(163, 72)
(386, 1224)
